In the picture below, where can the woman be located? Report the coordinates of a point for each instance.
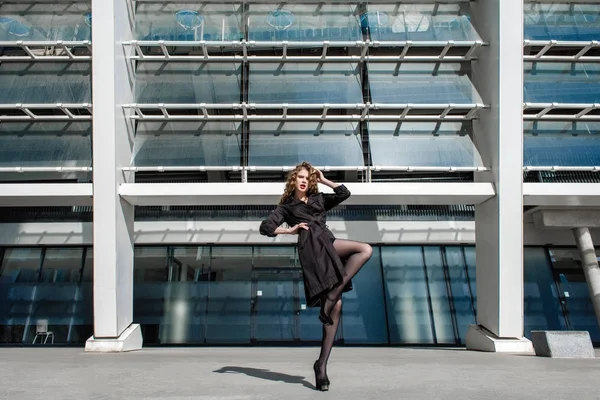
(303, 208)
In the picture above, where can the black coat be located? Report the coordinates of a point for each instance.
(321, 266)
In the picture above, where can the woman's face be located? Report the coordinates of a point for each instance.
(302, 181)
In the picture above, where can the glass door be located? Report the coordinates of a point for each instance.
(573, 291)
(274, 301)
(275, 305)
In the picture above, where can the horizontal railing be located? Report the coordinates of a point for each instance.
(560, 111)
(51, 50)
(544, 50)
(44, 112)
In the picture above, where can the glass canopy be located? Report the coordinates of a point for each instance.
(187, 144)
(562, 21)
(421, 144)
(320, 143)
(562, 82)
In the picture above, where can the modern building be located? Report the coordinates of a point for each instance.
(143, 141)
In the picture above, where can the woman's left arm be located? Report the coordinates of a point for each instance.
(340, 191)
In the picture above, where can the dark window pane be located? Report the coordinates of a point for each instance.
(20, 265)
(189, 83)
(573, 289)
(45, 82)
(305, 83)
(461, 294)
(364, 319)
(406, 295)
(187, 144)
(440, 302)
(289, 143)
(420, 83)
(228, 314)
(541, 302)
(422, 144)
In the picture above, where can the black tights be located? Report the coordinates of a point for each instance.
(356, 255)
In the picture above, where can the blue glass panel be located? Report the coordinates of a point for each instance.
(305, 83)
(573, 290)
(418, 22)
(420, 83)
(46, 144)
(561, 143)
(562, 83)
(290, 143)
(188, 21)
(183, 82)
(562, 21)
(45, 82)
(363, 310)
(471, 269)
(408, 310)
(187, 143)
(438, 291)
(44, 21)
(459, 286)
(303, 22)
(57, 300)
(422, 144)
(541, 302)
(229, 305)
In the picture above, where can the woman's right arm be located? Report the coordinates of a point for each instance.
(271, 226)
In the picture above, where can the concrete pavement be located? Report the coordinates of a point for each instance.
(286, 373)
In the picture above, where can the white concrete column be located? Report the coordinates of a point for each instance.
(112, 86)
(589, 263)
(498, 75)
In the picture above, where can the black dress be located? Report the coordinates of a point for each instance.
(321, 266)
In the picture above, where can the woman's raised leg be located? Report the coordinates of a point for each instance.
(356, 255)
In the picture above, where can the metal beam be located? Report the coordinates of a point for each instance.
(45, 194)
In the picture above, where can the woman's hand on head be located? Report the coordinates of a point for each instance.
(296, 228)
(320, 176)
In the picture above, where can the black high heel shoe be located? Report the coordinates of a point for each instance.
(322, 384)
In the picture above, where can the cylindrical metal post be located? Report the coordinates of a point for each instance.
(589, 262)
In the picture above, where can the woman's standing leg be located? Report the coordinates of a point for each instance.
(356, 255)
(329, 332)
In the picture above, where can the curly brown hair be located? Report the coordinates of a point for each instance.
(290, 185)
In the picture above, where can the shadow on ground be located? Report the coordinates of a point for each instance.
(266, 374)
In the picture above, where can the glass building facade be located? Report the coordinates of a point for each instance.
(140, 161)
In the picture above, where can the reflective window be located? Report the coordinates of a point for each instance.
(462, 301)
(571, 143)
(542, 308)
(229, 307)
(422, 144)
(418, 22)
(574, 292)
(471, 270)
(438, 294)
(562, 82)
(187, 143)
(45, 82)
(188, 21)
(304, 83)
(561, 21)
(42, 288)
(303, 22)
(363, 310)
(62, 265)
(188, 83)
(44, 21)
(290, 143)
(20, 265)
(46, 144)
(150, 264)
(409, 318)
(420, 83)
